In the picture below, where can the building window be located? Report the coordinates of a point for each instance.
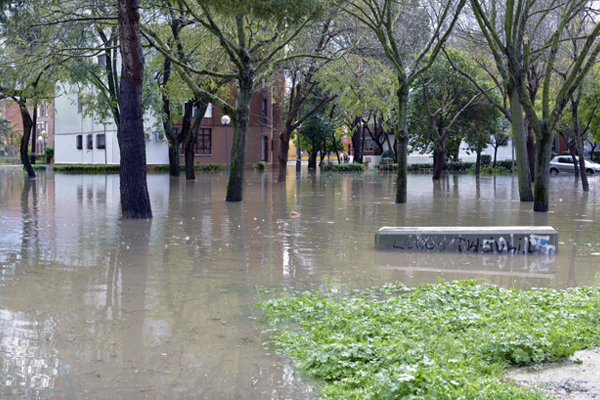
(79, 106)
(100, 141)
(203, 143)
(90, 142)
(79, 142)
(209, 111)
(263, 111)
(102, 60)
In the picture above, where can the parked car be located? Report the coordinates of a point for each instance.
(564, 164)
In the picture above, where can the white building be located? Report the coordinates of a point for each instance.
(504, 153)
(82, 140)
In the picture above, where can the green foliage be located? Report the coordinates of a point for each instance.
(114, 169)
(197, 167)
(8, 136)
(388, 164)
(10, 160)
(260, 166)
(488, 169)
(316, 131)
(277, 11)
(88, 169)
(362, 84)
(447, 93)
(440, 341)
(596, 157)
(49, 154)
(352, 167)
(486, 159)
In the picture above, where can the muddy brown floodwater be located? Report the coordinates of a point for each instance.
(92, 307)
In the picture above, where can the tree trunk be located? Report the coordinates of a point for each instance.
(542, 182)
(189, 140)
(402, 140)
(495, 156)
(323, 153)
(578, 139)
(241, 117)
(531, 151)
(584, 179)
(573, 153)
(27, 127)
(312, 159)
(518, 129)
(478, 163)
(333, 142)
(167, 126)
(135, 201)
(358, 157)
(439, 154)
(34, 134)
(284, 149)
(192, 138)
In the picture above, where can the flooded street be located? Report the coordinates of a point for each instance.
(95, 307)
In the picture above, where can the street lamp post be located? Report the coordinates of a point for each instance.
(298, 153)
(42, 138)
(225, 120)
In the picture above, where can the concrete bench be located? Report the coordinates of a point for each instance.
(473, 239)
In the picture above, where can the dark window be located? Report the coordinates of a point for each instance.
(79, 142)
(101, 141)
(204, 142)
(79, 106)
(263, 111)
(90, 142)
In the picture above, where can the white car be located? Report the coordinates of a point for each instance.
(564, 164)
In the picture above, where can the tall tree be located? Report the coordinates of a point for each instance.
(252, 34)
(406, 50)
(310, 53)
(509, 106)
(444, 98)
(524, 41)
(135, 201)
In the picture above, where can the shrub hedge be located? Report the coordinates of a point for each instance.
(449, 166)
(352, 167)
(260, 166)
(114, 169)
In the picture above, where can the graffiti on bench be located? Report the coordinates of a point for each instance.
(531, 244)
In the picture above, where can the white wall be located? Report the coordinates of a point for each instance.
(69, 123)
(504, 153)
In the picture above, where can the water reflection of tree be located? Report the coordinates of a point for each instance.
(132, 261)
(30, 247)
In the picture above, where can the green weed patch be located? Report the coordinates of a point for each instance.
(439, 341)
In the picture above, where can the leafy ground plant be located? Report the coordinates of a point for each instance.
(438, 341)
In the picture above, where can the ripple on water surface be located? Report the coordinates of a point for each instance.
(93, 306)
